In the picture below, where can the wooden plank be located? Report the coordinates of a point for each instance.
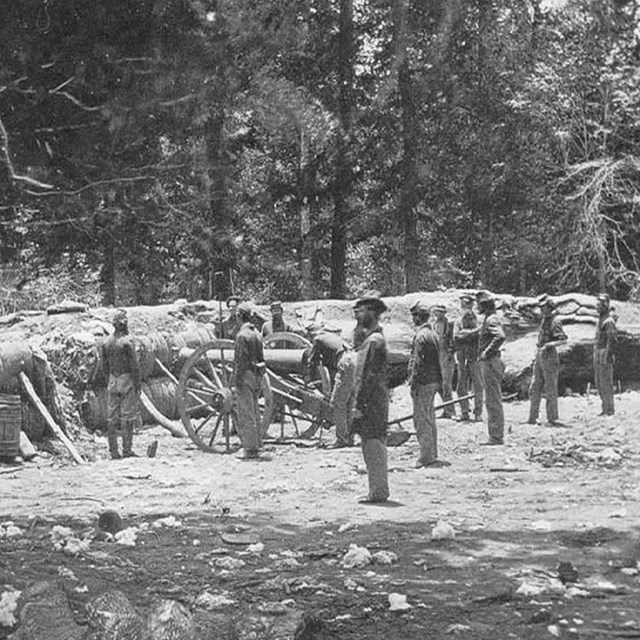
(44, 412)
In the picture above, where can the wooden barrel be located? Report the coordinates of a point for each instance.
(10, 426)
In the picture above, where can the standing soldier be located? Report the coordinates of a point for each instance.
(371, 392)
(342, 397)
(465, 338)
(232, 324)
(123, 390)
(425, 378)
(277, 324)
(249, 369)
(547, 363)
(443, 328)
(490, 339)
(604, 354)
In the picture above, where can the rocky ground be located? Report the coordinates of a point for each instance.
(551, 495)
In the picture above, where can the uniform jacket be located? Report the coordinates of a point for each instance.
(248, 353)
(491, 336)
(424, 362)
(119, 356)
(371, 387)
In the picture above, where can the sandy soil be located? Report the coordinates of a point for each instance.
(515, 519)
(483, 486)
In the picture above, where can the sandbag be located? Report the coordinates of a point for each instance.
(94, 411)
(33, 424)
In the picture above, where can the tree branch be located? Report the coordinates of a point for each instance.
(5, 159)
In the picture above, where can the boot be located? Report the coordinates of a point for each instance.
(112, 439)
(127, 442)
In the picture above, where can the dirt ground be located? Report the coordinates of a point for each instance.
(552, 494)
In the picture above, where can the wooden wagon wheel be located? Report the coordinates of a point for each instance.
(207, 401)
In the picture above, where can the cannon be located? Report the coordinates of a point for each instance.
(206, 399)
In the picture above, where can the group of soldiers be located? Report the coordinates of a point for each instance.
(357, 370)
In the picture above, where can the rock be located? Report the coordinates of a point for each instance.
(112, 617)
(292, 625)
(44, 614)
(110, 522)
(169, 620)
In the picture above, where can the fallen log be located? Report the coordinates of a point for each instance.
(33, 396)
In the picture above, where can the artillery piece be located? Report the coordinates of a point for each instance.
(206, 399)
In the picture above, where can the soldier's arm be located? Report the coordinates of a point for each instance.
(611, 337)
(494, 327)
(558, 336)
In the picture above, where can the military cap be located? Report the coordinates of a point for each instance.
(230, 299)
(466, 297)
(604, 297)
(439, 307)
(485, 296)
(276, 304)
(372, 300)
(420, 308)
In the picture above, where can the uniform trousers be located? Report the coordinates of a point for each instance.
(447, 366)
(603, 377)
(124, 411)
(249, 428)
(342, 397)
(374, 452)
(492, 371)
(469, 379)
(424, 421)
(545, 376)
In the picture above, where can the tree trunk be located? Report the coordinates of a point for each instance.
(407, 204)
(343, 177)
(108, 270)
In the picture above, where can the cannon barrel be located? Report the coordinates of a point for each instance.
(282, 361)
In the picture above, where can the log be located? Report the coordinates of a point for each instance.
(33, 396)
(160, 419)
(27, 450)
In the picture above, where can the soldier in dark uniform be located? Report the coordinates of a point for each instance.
(277, 324)
(123, 388)
(424, 380)
(232, 324)
(249, 369)
(465, 340)
(604, 354)
(547, 363)
(490, 338)
(371, 407)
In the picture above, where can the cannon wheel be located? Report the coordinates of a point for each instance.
(207, 401)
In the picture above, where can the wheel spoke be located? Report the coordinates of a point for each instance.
(214, 433)
(201, 395)
(214, 374)
(206, 381)
(199, 427)
(198, 407)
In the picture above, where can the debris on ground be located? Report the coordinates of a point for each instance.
(229, 563)
(64, 539)
(9, 530)
(398, 602)
(211, 601)
(443, 531)
(356, 557)
(8, 607)
(384, 557)
(127, 537)
(574, 455)
(169, 521)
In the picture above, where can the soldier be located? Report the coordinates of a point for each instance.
(443, 328)
(342, 397)
(425, 378)
(604, 354)
(547, 363)
(124, 385)
(326, 350)
(232, 324)
(371, 393)
(490, 338)
(249, 369)
(277, 324)
(465, 339)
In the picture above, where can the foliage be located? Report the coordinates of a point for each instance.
(188, 148)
